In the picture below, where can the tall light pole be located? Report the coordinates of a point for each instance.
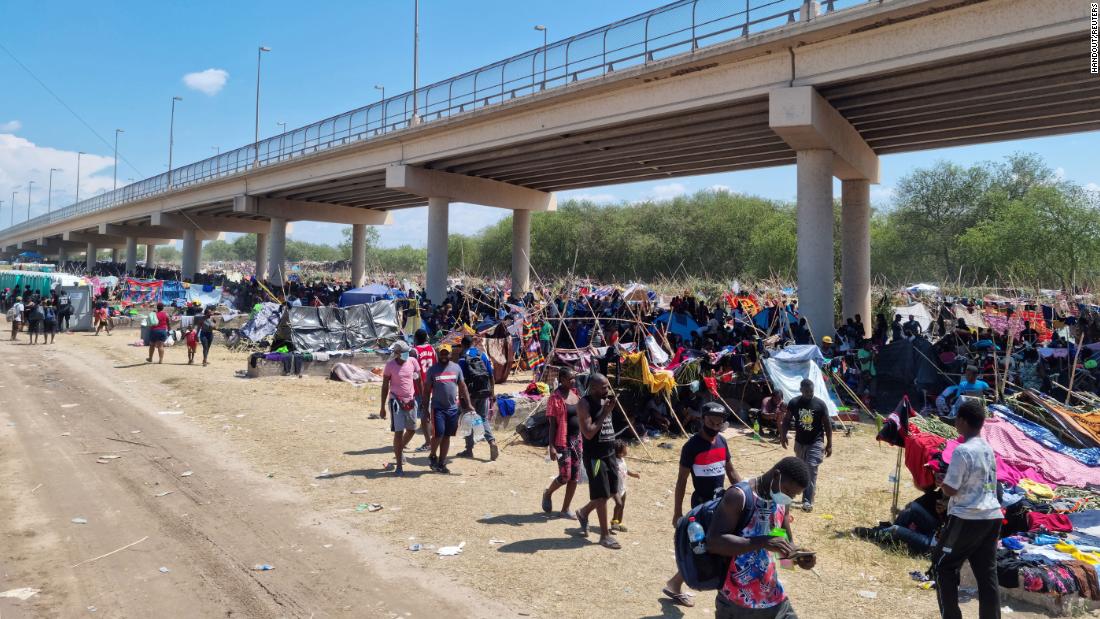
(259, 54)
(545, 33)
(383, 89)
(49, 191)
(282, 127)
(217, 150)
(415, 120)
(78, 155)
(171, 136)
(29, 185)
(13, 208)
(117, 131)
(1, 205)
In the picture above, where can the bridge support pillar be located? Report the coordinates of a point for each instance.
(261, 256)
(131, 254)
(90, 259)
(190, 262)
(855, 250)
(358, 254)
(277, 250)
(438, 215)
(150, 255)
(521, 252)
(815, 240)
(114, 255)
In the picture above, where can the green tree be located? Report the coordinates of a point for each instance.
(218, 251)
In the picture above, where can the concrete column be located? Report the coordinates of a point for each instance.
(190, 255)
(855, 250)
(90, 260)
(358, 254)
(62, 256)
(114, 255)
(809, 10)
(261, 256)
(521, 252)
(815, 240)
(131, 254)
(150, 255)
(438, 214)
(277, 251)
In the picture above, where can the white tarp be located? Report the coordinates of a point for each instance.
(787, 368)
(919, 312)
(922, 289)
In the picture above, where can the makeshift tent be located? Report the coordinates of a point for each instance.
(922, 289)
(173, 293)
(368, 294)
(680, 323)
(786, 369)
(142, 291)
(263, 325)
(32, 255)
(213, 296)
(638, 292)
(919, 313)
(312, 329)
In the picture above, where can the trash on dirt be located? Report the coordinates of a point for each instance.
(358, 491)
(415, 547)
(22, 593)
(135, 431)
(263, 567)
(34, 489)
(91, 609)
(328, 546)
(373, 507)
(80, 521)
(324, 473)
(870, 595)
(69, 405)
(496, 541)
(165, 493)
(65, 434)
(1007, 609)
(186, 473)
(450, 551)
(109, 457)
(102, 461)
(169, 412)
(164, 570)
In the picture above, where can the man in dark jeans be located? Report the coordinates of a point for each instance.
(813, 435)
(464, 352)
(973, 519)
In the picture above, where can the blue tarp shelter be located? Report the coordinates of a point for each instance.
(679, 323)
(368, 294)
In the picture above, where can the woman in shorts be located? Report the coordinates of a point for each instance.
(158, 334)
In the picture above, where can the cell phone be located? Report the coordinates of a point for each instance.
(801, 554)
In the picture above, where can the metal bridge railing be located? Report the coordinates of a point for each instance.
(667, 31)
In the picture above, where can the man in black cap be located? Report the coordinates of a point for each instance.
(706, 458)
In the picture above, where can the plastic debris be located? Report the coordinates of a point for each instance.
(102, 461)
(451, 551)
(415, 547)
(187, 473)
(110, 457)
(870, 595)
(69, 405)
(65, 434)
(91, 609)
(164, 570)
(358, 491)
(263, 567)
(165, 493)
(373, 507)
(22, 593)
(827, 517)
(169, 412)
(80, 521)
(496, 541)
(1007, 609)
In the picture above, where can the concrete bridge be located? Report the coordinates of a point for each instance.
(695, 87)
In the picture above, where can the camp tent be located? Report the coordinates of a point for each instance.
(367, 294)
(680, 323)
(786, 369)
(919, 312)
(312, 329)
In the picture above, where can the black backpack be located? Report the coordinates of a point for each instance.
(478, 381)
(707, 571)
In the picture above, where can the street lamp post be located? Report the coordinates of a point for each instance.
(49, 191)
(217, 150)
(13, 208)
(117, 131)
(78, 176)
(415, 119)
(171, 136)
(256, 141)
(545, 33)
(29, 185)
(282, 127)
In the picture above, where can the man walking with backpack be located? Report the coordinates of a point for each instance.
(705, 457)
(477, 371)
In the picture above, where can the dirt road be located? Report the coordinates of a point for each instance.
(80, 440)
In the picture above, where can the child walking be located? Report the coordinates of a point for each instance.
(192, 339)
(620, 497)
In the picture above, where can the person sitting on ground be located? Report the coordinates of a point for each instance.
(752, 588)
(619, 498)
(401, 386)
(915, 526)
(565, 447)
(705, 457)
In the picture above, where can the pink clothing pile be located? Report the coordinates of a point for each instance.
(1021, 457)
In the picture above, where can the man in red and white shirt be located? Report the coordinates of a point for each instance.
(425, 355)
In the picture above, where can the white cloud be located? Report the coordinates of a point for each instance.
(209, 82)
(881, 193)
(666, 192)
(11, 126)
(1092, 187)
(1059, 173)
(22, 161)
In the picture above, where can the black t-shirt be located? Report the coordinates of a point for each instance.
(808, 419)
(603, 444)
(707, 461)
(572, 423)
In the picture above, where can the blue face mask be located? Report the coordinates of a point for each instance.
(779, 498)
(405, 356)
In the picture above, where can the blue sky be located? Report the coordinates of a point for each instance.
(118, 64)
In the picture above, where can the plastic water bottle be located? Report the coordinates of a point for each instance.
(697, 537)
(477, 428)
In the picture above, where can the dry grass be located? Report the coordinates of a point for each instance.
(294, 429)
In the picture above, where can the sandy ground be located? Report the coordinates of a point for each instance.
(282, 467)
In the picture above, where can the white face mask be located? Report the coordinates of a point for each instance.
(779, 498)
